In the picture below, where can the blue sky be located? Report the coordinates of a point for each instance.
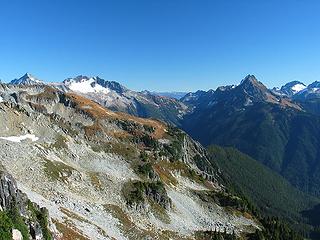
(162, 44)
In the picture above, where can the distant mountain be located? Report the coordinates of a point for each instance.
(298, 91)
(196, 98)
(309, 98)
(116, 97)
(247, 93)
(290, 88)
(272, 129)
(312, 91)
(84, 84)
(175, 95)
(27, 79)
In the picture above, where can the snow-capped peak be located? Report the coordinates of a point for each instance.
(84, 84)
(298, 87)
(77, 79)
(27, 79)
(290, 89)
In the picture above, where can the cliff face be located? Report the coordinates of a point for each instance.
(20, 218)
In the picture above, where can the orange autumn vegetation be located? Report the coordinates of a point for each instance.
(97, 112)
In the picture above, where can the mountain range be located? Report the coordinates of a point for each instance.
(82, 84)
(100, 174)
(175, 95)
(116, 97)
(272, 131)
(276, 129)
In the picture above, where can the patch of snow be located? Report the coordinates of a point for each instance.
(16, 234)
(248, 102)
(314, 89)
(298, 87)
(18, 139)
(34, 79)
(1, 99)
(87, 86)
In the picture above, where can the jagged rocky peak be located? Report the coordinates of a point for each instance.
(312, 91)
(292, 88)
(252, 91)
(80, 78)
(193, 95)
(225, 88)
(315, 84)
(252, 88)
(117, 97)
(85, 84)
(27, 79)
(251, 81)
(113, 85)
(146, 92)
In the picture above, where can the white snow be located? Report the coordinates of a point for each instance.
(18, 139)
(298, 87)
(33, 79)
(87, 86)
(16, 234)
(314, 89)
(1, 99)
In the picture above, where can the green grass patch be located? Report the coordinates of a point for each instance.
(57, 170)
(60, 142)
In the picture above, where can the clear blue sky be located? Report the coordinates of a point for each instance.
(162, 44)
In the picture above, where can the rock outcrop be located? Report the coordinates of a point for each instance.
(26, 219)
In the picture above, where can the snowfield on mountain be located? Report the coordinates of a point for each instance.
(18, 139)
